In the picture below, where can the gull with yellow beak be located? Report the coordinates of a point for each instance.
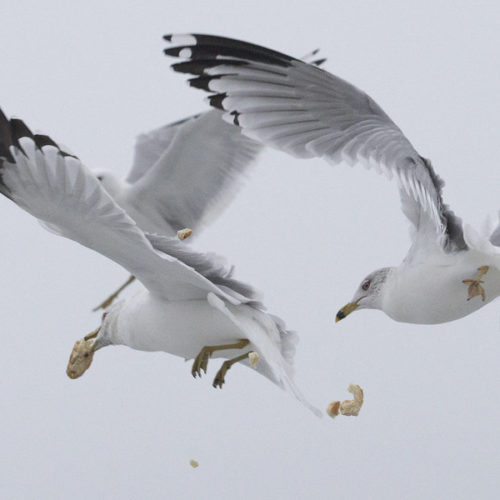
(450, 270)
(189, 304)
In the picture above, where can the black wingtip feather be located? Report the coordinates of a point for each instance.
(5, 154)
(173, 51)
(216, 100)
(319, 62)
(5, 138)
(197, 67)
(44, 140)
(211, 47)
(202, 82)
(236, 120)
(234, 44)
(18, 130)
(11, 131)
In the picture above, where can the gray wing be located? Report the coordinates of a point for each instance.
(191, 169)
(59, 190)
(210, 265)
(307, 112)
(150, 146)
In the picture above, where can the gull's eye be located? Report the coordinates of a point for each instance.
(365, 285)
(99, 177)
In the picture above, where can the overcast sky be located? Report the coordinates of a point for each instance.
(92, 75)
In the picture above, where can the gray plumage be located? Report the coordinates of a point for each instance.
(210, 265)
(307, 112)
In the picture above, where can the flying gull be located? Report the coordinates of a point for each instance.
(450, 270)
(183, 174)
(190, 305)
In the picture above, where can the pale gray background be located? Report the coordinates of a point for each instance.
(92, 75)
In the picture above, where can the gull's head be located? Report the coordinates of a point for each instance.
(368, 295)
(110, 182)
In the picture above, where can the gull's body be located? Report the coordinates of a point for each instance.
(432, 292)
(147, 323)
(189, 300)
(450, 271)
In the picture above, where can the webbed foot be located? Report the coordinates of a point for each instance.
(475, 284)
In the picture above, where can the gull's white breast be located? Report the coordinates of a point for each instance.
(432, 292)
(182, 328)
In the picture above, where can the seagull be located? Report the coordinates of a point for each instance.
(450, 270)
(182, 176)
(184, 173)
(189, 305)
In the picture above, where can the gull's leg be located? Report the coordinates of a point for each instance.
(109, 300)
(201, 361)
(220, 376)
(475, 287)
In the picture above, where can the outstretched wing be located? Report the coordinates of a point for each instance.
(59, 190)
(191, 169)
(150, 146)
(303, 110)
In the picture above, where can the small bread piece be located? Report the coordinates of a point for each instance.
(81, 358)
(349, 407)
(182, 234)
(253, 358)
(193, 464)
(333, 409)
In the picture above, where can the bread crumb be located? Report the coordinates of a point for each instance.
(80, 358)
(193, 464)
(349, 407)
(182, 234)
(333, 409)
(254, 358)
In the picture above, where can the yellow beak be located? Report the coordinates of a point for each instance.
(346, 310)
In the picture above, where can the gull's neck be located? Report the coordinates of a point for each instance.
(109, 326)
